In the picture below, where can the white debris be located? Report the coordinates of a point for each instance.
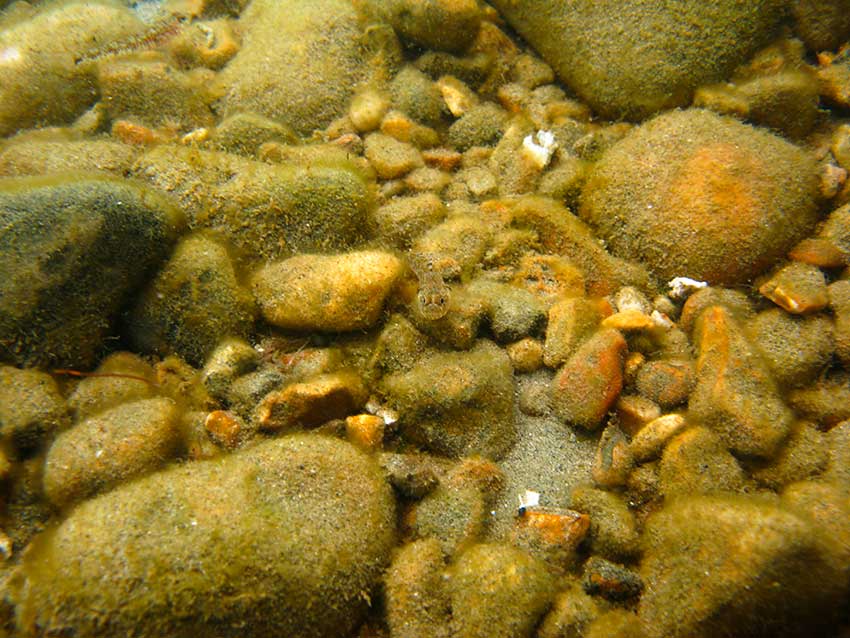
(661, 320)
(388, 415)
(10, 55)
(528, 499)
(683, 287)
(539, 147)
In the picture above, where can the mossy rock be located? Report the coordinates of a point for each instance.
(72, 249)
(287, 538)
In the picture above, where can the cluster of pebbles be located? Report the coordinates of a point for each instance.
(425, 318)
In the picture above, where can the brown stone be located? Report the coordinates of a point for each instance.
(313, 402)
(798, 288)
(589, 383)
(735, 395)
(366, 431)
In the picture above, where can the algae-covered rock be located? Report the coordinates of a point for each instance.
(711, 198)
(117, 445)
(46, 76)
(736, 566)
(823, 24)
(645, 56)
(31, 407)
(194, 302)
(497, 590)
(264, 210)
(417, 596)
(133, 380)
(326, 292)
(735, 395)
(47, 157)
(457, 403)
(286, 538)
(299, 63)
(71, 249)
(448, 25)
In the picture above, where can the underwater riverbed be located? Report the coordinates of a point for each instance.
(424, 318)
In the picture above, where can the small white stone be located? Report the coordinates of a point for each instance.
(682, 287)
(661, 320)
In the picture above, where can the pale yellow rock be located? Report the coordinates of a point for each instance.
(332, 293)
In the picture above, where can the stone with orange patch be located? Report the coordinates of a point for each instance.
(698, 195)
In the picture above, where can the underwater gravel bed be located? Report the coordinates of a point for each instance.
(424, 318)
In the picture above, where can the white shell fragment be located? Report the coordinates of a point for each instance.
(388, 415)
(539, 147)
(682, 287)
(528, 499)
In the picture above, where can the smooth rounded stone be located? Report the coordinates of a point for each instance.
(711, 199)
(649, 441)
(126, 377)
(389, 157)
(231, 359)
(526, 355)
(736, 565)
(288, 537)
(571, 613)
(642, 58)
(805, 455)
(797, 349)
(589, 383)
(826, 401)
(513, 312)
(402, 219)
(482, 125)
(417, 96)
(37, 157)
(697, 462)
(445, 25)
(265, 210)
(115, 446)
(193, 303)
(822, 24)
(313, 47)
(331, 293)
(75, 247)
(571, 322)
(667, 382)
(153, 93)
(613, 528)
(417, 598)
(47, 74)
(734, 301)
(497, 590)
(245, 133)
(455, 515)
(735, 394)
(457, 403)
(31, 407)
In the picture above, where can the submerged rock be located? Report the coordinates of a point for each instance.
(299, 62)
(288, 538)
(643, 57)
(711, 199)
(46, 72)
(265, 210)
(193, 303)
(742, 566)
(457, 403)
(31, 407)
(326, 292)
(76, 247)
